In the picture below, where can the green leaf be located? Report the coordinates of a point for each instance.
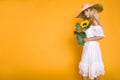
(78, 27)
(80, 39)
(83, 34)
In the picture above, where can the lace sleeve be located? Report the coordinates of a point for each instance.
(98, 31)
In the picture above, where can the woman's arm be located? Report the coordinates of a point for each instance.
(94, 38)
(95, 22)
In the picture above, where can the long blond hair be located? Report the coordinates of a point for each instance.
(93, 15)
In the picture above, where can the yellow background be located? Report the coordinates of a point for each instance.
(37, 41)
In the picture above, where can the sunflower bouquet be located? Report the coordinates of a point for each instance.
(79, 30)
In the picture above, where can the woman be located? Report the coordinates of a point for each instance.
(91, 65)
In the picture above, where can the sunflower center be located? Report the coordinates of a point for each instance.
(84, 24)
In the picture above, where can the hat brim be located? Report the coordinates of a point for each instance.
(97, 6)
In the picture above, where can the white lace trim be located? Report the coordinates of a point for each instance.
(93, 70)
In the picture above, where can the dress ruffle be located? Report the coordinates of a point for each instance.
(94, 69)
(98, 31)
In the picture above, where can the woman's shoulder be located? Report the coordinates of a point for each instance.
(95, 24)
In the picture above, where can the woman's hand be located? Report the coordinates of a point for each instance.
(87, 39)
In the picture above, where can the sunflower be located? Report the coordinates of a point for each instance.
(84, 23)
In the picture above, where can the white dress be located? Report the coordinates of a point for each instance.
(91, 63)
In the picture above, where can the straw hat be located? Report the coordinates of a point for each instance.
(97, 6)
